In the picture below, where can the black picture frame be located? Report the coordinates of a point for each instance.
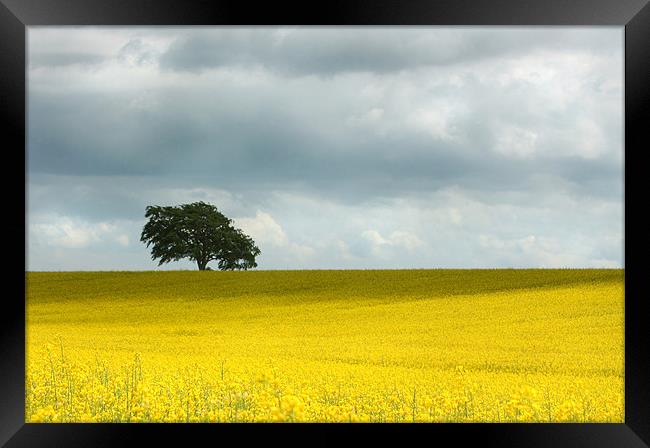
(16, 15)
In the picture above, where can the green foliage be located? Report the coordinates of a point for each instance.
(199, 232)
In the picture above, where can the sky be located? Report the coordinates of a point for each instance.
(333, 147)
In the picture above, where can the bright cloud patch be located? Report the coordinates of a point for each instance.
(396, 239)
(272, 239)
(71, 233)
(264, 229)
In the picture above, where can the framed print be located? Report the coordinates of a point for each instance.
(384, 219)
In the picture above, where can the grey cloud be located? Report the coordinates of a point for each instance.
(53, 59)
(329, 50)
(104, 198)
(224, 142)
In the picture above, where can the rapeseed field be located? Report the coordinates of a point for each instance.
(325, 346)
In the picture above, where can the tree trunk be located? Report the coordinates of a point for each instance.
(201, 265)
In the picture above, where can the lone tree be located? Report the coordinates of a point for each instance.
(200, 232)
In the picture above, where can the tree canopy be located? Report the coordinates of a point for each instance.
(199, 232)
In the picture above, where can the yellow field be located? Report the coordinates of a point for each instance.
(326, 346)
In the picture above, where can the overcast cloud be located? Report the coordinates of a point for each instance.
(365, 147)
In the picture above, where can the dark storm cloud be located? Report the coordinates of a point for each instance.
(102, 135)
(91, 134)
(228, 140)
